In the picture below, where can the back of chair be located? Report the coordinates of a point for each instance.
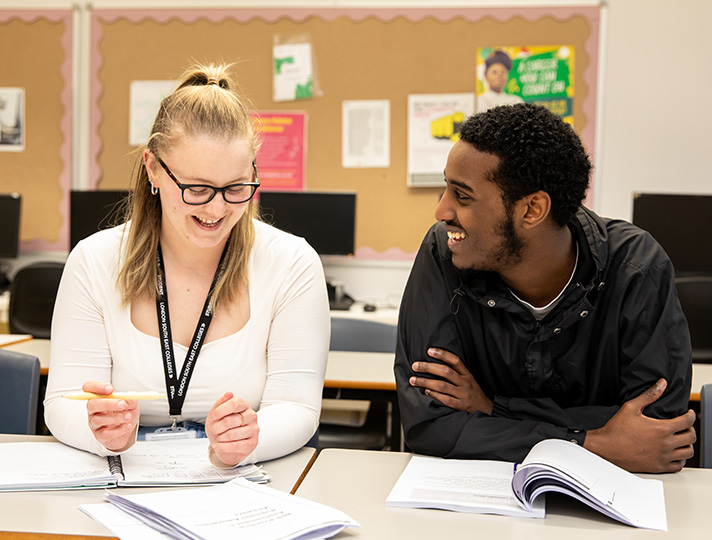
(695, 293)
(32, 295)
(706, 426)
(362, 335)
(19, 392)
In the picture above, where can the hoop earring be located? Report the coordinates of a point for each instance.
(154, 189)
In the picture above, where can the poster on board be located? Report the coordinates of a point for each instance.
(366, 133)
(434, 122)
(543, 75)
(12, 119)
(293, 72)
(144, 100)
(281, 158)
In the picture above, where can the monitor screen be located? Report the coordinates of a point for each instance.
(327, 220)
(682, 225)
(92, 211)
(9, 224)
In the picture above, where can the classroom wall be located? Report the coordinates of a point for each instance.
(655, 128)
(653, 124)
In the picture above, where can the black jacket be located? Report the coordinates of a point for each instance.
(617, 330)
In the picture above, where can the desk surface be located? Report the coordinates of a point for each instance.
(370, 371)
(345, 369)
(12, 339)
(57, 512)
(388, 315)
(701, 374)
(366, 478)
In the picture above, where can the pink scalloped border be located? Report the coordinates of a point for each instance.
(65, 98)
(99, 16)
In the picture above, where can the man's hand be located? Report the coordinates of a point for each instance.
(112, 421)
(232, 428)
(638, 443)
(458, 389)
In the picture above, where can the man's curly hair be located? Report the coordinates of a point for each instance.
(537, 150)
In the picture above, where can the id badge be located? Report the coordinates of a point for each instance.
(167, 433)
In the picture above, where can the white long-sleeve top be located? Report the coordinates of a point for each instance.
(276, 362)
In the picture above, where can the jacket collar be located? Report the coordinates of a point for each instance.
(589, 232)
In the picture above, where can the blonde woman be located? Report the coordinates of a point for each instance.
(240, 349)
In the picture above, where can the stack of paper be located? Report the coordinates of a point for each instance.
(237, 509)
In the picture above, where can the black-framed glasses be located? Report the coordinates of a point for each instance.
(197, 194)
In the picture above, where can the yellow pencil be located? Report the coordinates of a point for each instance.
(83, 396)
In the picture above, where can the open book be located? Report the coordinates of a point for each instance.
(237, 509)
(40, 466)
(497, 487)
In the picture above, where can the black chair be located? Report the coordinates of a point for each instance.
(32, 295)
(695, 293)
(706, 426)
(349, 334)
(19, 392)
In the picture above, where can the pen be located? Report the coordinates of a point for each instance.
(83, 396)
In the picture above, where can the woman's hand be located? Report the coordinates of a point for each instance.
(232, 429)
(112, 421)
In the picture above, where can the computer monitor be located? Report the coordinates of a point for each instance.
(682, 225)
(327, 220)
(92, 211)
(10, 204)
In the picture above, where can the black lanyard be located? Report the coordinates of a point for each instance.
(178, 387)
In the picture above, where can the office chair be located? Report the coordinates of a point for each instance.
(349, 334)
(706, 426)
(19, 392)
(695, 293)
(32, 295)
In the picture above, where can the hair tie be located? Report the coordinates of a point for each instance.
(213, 81)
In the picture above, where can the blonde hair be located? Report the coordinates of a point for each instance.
(205, 103)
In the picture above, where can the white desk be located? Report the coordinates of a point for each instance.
(7, 340)
(388, 315)
(358, 482)
(701, 375)
(365, 370)
(344, 369)
(365, 376)
(57, 512)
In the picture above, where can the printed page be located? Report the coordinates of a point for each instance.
(237, 509)
(37, 466)
(475, 486)
(121, 524)
(178, 462)
(558, 465)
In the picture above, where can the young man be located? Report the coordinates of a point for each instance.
(527, 316)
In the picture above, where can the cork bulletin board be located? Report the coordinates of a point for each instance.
(36, 55)
(361, 54)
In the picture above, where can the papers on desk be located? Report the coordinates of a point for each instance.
(41, 466)
(493, 487)
(237, 509)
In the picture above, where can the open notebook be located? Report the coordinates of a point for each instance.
(40, 466)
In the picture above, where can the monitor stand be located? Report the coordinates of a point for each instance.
(338, 299)
(341, 305)
(4, 280)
